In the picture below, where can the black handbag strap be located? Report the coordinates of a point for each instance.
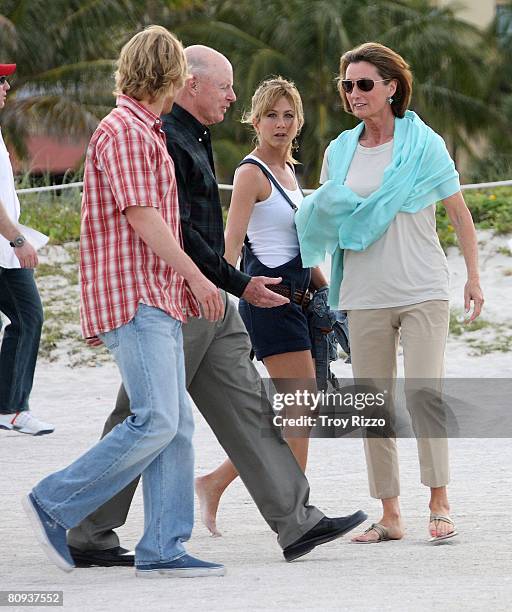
(272, 179)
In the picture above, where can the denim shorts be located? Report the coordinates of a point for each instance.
(283, 329)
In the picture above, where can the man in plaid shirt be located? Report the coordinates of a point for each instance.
(137, 286)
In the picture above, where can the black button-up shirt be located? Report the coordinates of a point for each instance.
(189, 145)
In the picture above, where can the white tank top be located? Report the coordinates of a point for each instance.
(271, 230)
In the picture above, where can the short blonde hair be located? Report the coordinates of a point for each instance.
(150, 64)
(390, 66)
(267, 94)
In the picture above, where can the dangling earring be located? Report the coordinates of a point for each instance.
(295, 144)
(390, 100)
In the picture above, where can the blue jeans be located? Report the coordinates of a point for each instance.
(20, 302)
(156, 440)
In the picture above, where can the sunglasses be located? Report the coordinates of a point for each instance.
(363, 84)
(3, 79)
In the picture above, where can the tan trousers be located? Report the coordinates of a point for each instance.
(374, 335)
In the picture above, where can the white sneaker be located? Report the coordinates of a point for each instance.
(25, 422)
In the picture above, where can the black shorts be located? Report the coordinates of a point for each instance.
(283, 329)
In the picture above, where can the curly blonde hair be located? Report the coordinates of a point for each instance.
(150, 64)
(267, 94)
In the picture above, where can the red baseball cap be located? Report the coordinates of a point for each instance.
(7, 69)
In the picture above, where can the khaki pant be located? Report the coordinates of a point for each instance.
(374, 335)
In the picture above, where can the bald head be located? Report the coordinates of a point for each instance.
(201, 59)
(208, 90)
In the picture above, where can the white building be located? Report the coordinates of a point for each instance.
(478, 12)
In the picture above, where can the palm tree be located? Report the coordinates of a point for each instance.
(303, 40)
(496, 164)
(65, 51)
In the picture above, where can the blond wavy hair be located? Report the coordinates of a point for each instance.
(266, 95)
(151, 64)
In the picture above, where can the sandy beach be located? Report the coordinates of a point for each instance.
(472, 572)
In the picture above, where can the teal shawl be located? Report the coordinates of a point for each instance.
(334, 218)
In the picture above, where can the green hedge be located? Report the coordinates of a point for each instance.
(490, 209)
(57, 216)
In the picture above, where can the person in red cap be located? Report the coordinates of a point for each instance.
(19, 301)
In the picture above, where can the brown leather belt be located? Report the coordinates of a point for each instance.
(299, 297)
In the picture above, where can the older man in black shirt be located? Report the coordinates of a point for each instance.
(221, 379)
(189, 143)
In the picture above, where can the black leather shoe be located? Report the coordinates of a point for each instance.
(324, 531)
(111, 557)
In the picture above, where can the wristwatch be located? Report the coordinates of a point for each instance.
(19, 241)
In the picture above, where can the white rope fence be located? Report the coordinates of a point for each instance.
(224, 187)
(51, 188)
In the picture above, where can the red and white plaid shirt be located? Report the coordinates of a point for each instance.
(127, 164)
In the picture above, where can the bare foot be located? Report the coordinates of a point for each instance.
(394, 529)
(209, 498)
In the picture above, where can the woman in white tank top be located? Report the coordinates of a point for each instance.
(280, 335)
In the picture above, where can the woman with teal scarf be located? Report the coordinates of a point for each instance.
(375, 215)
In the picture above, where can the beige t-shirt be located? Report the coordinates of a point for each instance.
(407, 264)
